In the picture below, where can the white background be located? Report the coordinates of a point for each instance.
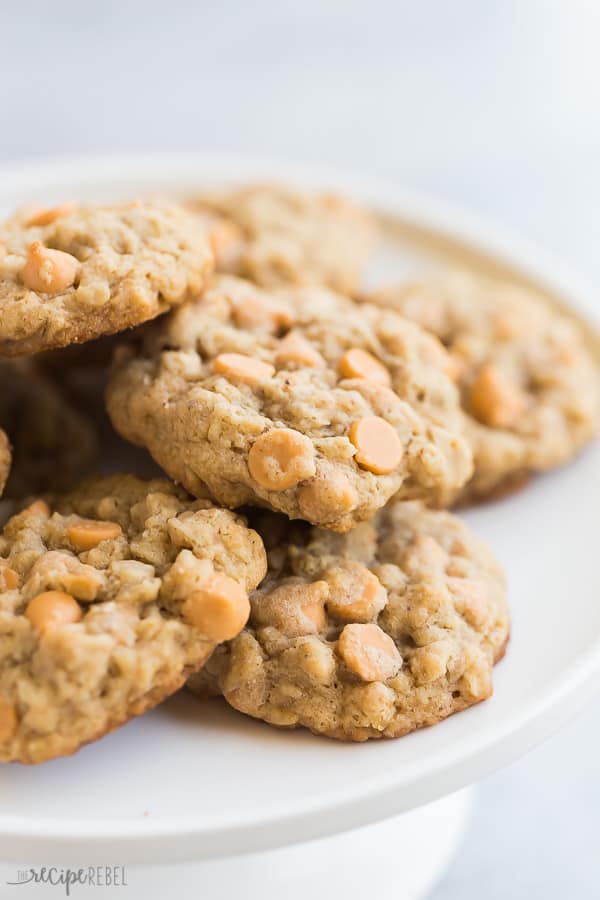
(492, 103)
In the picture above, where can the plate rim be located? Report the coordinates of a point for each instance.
(179, 838)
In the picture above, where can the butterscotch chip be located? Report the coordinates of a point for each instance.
(469, 599)
(225, 238)
(219, 607)
(328, 496)
(290, 237)
(397, 638)
(294, 350)
(87, 533)
(280, 459)
(295, 437)
(315, 659)
(315, 612)
(5, 459)
(494, 401)
(254, 310)
(47, 216)
(530, 387)
(97, 629)
(71, 275)
(294, 607)
(378, 447)
(51, 609)
(237, 367)
(369, 652)
(9, 579)
(355, 593)
(37, 508)
(48, 271)
(357, 363)
(63, 571)
(226, 241)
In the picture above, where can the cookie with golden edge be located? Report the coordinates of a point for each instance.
(70, 274)
(274, 234)
(299, 400)
(373, 634)
(530, 389)
(110, 597)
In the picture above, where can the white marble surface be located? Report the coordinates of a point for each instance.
(491, 104)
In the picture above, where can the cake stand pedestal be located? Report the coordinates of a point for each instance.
(404, 856)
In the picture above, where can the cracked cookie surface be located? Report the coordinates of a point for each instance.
(110, 596)
(68, 275)
(530, 389)
(276, 235)
(299, 400)
(372, 634)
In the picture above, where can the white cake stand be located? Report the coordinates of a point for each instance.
(194, 797)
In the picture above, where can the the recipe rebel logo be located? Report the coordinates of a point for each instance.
(67, 879)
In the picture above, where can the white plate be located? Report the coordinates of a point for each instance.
(193, 780)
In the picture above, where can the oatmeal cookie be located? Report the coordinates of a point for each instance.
(373, 634)
(300, 400)
(530, 389)
(276, 235)
(69, 274)
(110, 596)
(53, 443)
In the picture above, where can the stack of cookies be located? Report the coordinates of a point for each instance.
(295, 554)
